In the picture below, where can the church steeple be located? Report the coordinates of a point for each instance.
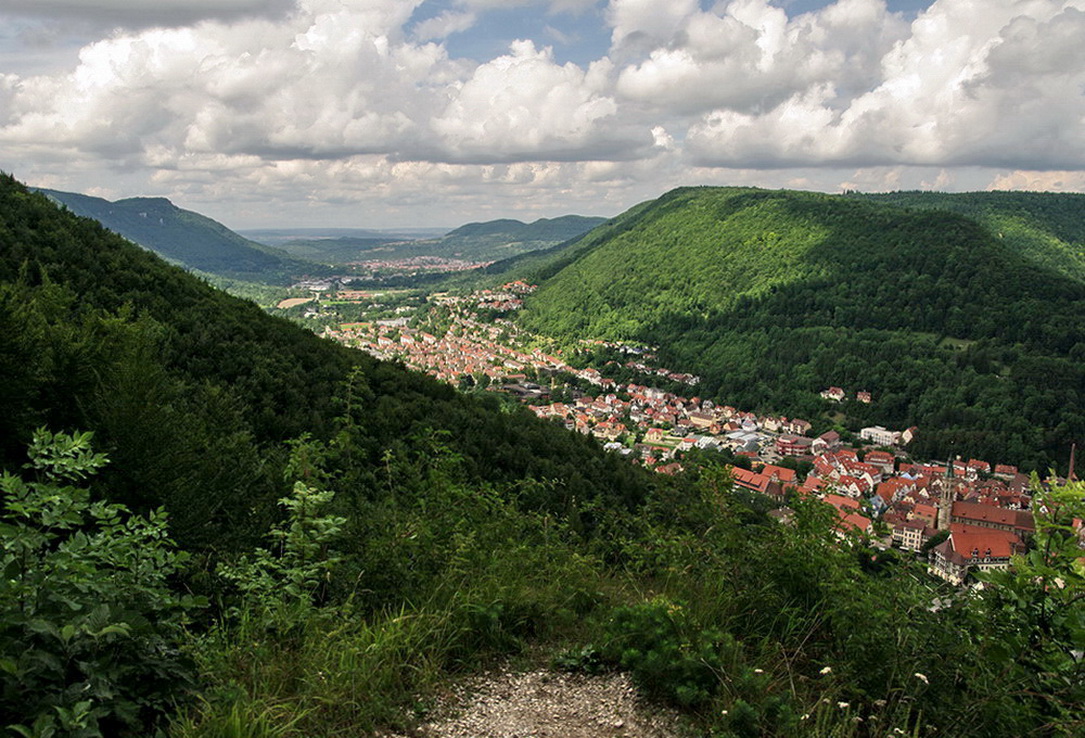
(948, 497)
(1071, 476)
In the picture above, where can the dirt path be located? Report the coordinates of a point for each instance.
(545, 704)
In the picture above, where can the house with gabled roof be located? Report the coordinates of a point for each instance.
(827, 441)
(883, 460)
(756, 482)
(910, 535)
(972, 549)
(836, 394)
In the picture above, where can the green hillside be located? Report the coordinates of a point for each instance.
(187, 238)
(1046, 227)
(772, 296)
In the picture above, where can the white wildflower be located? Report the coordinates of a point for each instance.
(922, 677)
(826, 670)
(842, 705)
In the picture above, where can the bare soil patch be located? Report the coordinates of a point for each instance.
(293, 302)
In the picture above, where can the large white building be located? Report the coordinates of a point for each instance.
(880, 436)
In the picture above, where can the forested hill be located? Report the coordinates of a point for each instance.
(772, 296)
(186, 237)
(499, 239)
(193, 393)
(1047, 227)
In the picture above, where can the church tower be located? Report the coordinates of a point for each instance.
(1071, 476)
(948, 497)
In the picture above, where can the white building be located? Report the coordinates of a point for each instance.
(880, 436)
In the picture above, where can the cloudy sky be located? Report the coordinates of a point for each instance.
(382, 113)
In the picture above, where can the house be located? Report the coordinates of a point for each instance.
(863, 396)
(972, 549)
(909, 535)
(924, 513)
(836, 394)
(976, 467)
(756, 482)
(780, 474)
(883, 460)
(828, 441)
(841, 503)
(894, 489)
(849, 523)
(977, 516)
(798, 426)
(701, 419)
(1005, 471)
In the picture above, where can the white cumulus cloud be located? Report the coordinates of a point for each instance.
(955, 91)
(524, 106)
(356, 100)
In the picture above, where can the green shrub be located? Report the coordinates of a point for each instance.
(665, 653)
(89, 626)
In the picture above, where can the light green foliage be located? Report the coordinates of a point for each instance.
(284, 581)
(1031, 619)
(431, 576)
(89, 627)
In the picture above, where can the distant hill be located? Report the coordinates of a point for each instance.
(500, 239)
(342, 245)
(772, 296)
(276, 236)
(475, 242)
(185, 237)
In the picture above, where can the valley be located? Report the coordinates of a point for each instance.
(544, 368)
(338, 537)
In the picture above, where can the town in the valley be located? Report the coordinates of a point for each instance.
(967, 515)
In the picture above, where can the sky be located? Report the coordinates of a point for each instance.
(394, 113)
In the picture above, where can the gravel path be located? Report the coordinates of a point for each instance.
(545, 704)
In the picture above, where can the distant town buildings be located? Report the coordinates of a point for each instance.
(982, 510)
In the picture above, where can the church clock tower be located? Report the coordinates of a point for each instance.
(948, 497)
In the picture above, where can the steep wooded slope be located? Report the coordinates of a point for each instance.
(192, 392)
(774, 295)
